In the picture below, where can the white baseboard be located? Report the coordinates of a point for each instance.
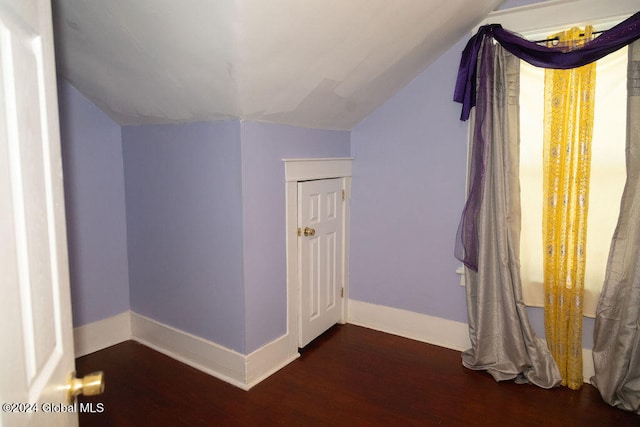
(245, 371)
(102, 334)
(421, 327)
(432, 330)
(206, 356)
(269, 359)
(223, 363)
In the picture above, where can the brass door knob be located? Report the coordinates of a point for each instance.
(90, 385)
(309, 232)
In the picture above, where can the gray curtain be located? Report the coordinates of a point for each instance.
(616, 347)
(503, 342)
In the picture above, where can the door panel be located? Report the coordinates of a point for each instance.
(321, 225)
(35, 331)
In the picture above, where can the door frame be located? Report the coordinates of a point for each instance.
(297, 170)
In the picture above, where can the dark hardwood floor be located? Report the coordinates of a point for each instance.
(350, 376)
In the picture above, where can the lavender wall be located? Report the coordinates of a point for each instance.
(408, 190)
(263, 193)
(184, 218)
(206, 214)
(509, 4)
(95, 208)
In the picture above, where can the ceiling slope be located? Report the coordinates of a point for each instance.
(315, 63)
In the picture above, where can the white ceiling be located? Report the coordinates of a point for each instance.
(313, 63)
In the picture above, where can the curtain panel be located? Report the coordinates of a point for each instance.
(503, 342)
(616, 346)
(568, 134)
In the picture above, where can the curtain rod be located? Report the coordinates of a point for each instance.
(558, 39)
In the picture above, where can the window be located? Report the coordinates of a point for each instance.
(607, 175)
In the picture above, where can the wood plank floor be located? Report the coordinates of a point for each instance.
(350, 376)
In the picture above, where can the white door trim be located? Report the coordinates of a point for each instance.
(307, 169)
(304, 170)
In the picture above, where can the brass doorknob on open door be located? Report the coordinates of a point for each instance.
(90, 385)
(309, 232)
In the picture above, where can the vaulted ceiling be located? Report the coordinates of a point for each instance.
(312, 63)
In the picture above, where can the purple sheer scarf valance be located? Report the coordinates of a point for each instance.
(624, 33)
(541, 56)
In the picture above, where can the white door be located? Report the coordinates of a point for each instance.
(36, 354)
(320, 252)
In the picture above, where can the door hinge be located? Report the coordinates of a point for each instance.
(341, 292)
(343, 195)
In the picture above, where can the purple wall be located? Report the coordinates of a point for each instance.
(206, 218)
(263, 192)
(95, 208)
(509, 4)
(184, 219)
(408, 191)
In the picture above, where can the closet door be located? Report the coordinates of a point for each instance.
(320, 256)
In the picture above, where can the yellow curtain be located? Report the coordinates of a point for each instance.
(569, 102)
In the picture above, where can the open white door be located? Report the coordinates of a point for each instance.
(321, 230)
(35, 328)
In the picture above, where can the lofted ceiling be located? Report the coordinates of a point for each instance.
(321, 64)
